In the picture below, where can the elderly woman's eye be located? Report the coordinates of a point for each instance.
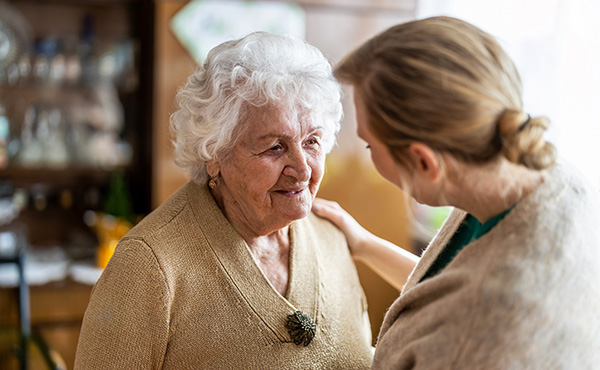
(275, 148)
(312, 141)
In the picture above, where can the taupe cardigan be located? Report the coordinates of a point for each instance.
(183, 292)
(526, 295)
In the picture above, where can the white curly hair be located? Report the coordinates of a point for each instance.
(258, 69)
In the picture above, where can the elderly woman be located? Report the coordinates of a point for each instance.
(511, 279)
(233, 271)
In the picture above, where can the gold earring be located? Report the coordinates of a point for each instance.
(212, 183)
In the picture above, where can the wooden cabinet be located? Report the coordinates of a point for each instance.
(79, 110)
(79, 107)
(56, 313)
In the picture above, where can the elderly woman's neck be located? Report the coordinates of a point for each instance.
(271, 253)
(487, 190)
(270, 247)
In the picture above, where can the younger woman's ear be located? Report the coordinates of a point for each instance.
(426, 161)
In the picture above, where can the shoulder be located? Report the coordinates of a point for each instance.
(534, 259)
(322, 228)
(164, 215)
(328, 241)
(565, 209)
(176, 231)
(182, 216)
(567, 187)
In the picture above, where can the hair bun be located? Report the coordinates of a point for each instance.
(522, 139)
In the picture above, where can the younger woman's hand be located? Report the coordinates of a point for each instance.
(389, 261)
(355, 233)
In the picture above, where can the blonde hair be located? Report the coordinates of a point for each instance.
(446, 83)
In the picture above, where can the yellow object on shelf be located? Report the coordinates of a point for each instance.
(105, 251)
(109, 230)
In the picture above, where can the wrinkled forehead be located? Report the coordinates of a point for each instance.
(277, 116)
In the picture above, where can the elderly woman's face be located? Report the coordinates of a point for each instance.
(274, 170)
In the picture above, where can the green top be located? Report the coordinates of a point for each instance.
(469, 230)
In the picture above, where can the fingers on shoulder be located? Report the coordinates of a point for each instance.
(320, 203)
(328, 209)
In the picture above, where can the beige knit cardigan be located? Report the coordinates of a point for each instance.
(183, 291)
(526, 295)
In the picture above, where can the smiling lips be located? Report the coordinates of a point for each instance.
(291, 192)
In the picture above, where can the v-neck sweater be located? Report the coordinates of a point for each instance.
(183, 291)
(522, 296)
(469, 230)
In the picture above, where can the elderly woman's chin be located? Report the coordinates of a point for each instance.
(292, 206)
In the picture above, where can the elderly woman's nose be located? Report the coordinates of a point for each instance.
(298, 166)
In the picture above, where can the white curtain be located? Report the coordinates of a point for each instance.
(556, 47)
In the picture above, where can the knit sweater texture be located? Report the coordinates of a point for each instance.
(526, 295)
(183, 291)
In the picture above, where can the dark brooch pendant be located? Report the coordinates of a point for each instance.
(301, 328)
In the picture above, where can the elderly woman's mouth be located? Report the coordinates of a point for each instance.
(291, 192)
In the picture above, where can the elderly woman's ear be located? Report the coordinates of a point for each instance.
(212, 168)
